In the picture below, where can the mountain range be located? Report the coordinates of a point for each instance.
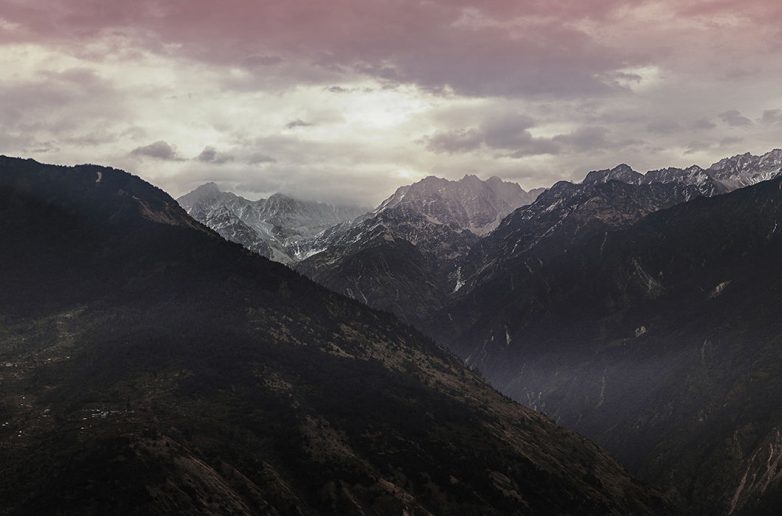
(278, 227)
(639, 309)
(397, 257)
(151, 366)
(645, 317)
(147, 357)
(419, 248)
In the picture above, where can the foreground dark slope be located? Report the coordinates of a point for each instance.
(661, 341)
(148, 366)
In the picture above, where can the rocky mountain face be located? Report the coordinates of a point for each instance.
(641, 312)
(470, 203)
(419, 249)
(605, 200)
(278, 228)
(747, 169)
(563, 216)
(724, 176)
(402, 256)
(150, 366)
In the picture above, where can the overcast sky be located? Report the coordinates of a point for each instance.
(344, 100)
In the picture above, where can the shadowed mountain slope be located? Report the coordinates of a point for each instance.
(658, 338)
(403, 257)
(149, 366)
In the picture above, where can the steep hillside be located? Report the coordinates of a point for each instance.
(149, 366)
(658, 338)
(403, 257)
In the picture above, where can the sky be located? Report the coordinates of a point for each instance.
(345, 100)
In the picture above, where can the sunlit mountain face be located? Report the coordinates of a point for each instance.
(368, 257)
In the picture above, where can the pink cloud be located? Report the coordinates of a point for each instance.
(435, 44)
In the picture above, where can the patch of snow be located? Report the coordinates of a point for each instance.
(459, 282)
(719, 289)
(602, 390)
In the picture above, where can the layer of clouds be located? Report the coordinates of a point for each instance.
(348, 99)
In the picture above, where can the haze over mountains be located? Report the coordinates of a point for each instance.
(150, 366)
(277, 228)
(644, 321)
(410, 254)
(640, 309)
(404, 247)
(358, 311)
(658, 338)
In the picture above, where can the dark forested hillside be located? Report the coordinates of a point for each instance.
(149, 366)
(659, 339)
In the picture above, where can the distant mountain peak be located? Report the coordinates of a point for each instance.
(203, 192)
(724, 176)
(280, 195)
(208, 187)
(622, 172)
(769, 159)
(469, 203)
(472, 178)
(275, 227)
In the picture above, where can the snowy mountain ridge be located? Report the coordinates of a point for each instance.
(276, 227)
(724, 176)
(469, 203)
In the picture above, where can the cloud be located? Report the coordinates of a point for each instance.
(293, 124)
(337, 89)
(210, 155)
(734, 118)
(438, 45)
(257, 158)
(585, 138)
(703, 123)
(507, 133)
(534, 89)
(261, 61)
(772, 117)
(594, 138)
(664, 126)
(160, 149)
(730, 140)
(455, 141)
